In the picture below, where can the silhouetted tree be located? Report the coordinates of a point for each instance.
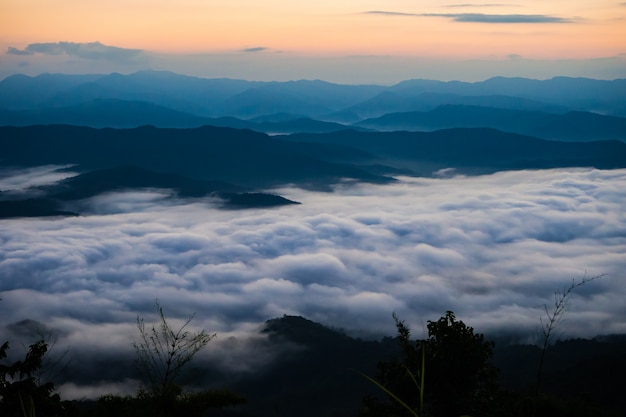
(162, 354)
(21, 388)
(459, 378)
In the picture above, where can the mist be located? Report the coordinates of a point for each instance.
(492, 248)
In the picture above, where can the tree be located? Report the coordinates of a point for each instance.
(461, 379)
(162, 353)
(454, 362)
(21, 388)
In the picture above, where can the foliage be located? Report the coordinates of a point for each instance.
(461, 377)
(188, 404)
(455, 363)
(21, 391)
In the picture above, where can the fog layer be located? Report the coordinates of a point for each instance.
(491, 248)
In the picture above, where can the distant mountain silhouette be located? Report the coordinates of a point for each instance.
(179, 92)
(478, 149)
(264, 100)
(254, 159)
(313, 99)
(401, 101)
(23, 92)
(569, 126)
(116, 113)
(208, 160)
(282, 124)
(238, 156)
(104, 113)
(574, 93)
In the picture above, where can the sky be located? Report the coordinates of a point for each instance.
(492, 248)
(341, 41)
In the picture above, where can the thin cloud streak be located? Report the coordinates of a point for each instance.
(481, 5)
(482, 17)
(255, 49)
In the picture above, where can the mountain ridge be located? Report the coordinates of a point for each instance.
(206, 96)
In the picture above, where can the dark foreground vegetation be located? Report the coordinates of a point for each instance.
(454, 372)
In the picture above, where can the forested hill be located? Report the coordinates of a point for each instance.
(233, 164)
(250, 158)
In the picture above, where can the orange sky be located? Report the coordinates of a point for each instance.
(485, 29)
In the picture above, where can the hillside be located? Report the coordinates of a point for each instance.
(317, 372)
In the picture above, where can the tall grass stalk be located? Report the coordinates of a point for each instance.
(553, 317)
(419, 385)
(28, 410)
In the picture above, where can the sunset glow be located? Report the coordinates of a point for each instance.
(273, 39)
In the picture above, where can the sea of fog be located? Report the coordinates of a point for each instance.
(492, 248)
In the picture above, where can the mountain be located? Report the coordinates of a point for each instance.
(265, 100)
(51, 200)
(310, 98)
(103, 113)
(32, 207)
(473, 150)
(600, 96)
(303, 97)
(178, 92)
(577, 126)
(23, 92)
(256, 160)
(211, 153)
(280, 123)
(403, 101)
(316, 371)
(116, 113)
(199, 96)
(97, 182)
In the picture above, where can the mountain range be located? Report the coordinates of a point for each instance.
(230, 164)
(560, 108)
(232, 139)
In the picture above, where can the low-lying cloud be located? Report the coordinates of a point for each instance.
(89, 50)
(491, 248)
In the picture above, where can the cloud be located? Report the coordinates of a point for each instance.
(15, 51)
(482, 17)
(481, 5)
(255, 49)
(504, 18)
(21, 179)
(386, 13)
(492, 248)
(90, 51)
